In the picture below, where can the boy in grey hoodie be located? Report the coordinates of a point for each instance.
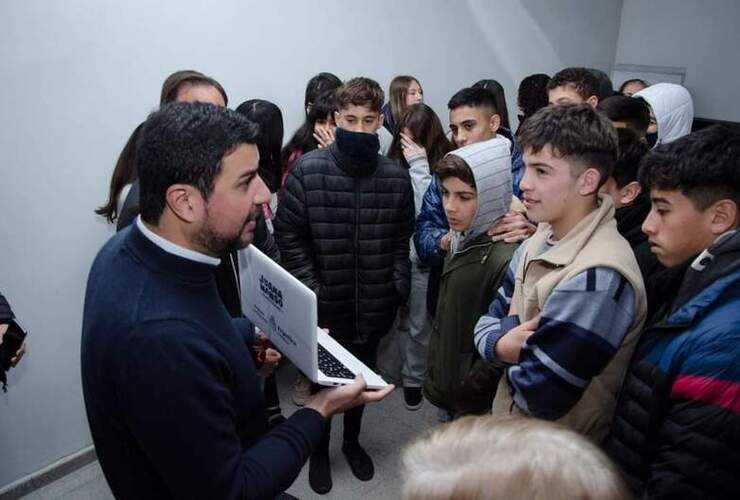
(672, 110)
(476, 192)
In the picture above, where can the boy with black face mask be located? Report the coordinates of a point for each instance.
(343, 227)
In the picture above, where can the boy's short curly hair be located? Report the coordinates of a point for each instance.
(360, 91)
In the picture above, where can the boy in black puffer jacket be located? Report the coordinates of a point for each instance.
(343, 227)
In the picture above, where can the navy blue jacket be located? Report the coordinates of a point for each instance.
(676, 430)
(170, 387)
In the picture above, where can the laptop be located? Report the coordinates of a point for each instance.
(285, 310)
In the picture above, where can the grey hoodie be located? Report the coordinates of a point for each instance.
(673, 110)
(490, 162)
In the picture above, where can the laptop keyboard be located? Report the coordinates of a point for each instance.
(331, 366)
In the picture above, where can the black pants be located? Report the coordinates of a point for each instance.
(368, 354)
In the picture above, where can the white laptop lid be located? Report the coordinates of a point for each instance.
(281, 306)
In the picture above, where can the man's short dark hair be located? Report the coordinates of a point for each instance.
(360, 91)
(454, 166)
(184, 143)
(704, 166)
(172, 85)
(582, 80)
(476, 97)
(633, 111)
(575, 132)
(632, 149)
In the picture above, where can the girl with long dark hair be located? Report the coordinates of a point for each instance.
(419, 143)
(269, 141)
(317, 131)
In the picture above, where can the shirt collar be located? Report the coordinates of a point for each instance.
(173, 248)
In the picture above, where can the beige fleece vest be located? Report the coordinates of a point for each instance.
(593, 242)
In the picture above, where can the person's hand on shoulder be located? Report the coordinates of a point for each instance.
(512, 228)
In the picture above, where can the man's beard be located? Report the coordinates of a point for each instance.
(220, 245)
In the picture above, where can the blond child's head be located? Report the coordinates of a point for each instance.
(487, 457)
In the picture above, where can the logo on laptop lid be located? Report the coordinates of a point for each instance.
(271, 292)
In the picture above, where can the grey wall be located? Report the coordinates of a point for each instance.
(703, 37)
(78, 76)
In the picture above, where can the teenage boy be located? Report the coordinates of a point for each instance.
(476, 193)
(675, 431)
(343, 228)
(627, 112)
(566, 330)
(573, 86)
(671, 112)
(473, 118)
(631, 204)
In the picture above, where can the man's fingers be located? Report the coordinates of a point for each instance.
(375, 396)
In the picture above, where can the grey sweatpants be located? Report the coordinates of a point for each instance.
(415, 341)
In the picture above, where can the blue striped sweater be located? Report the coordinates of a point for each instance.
(582, 324)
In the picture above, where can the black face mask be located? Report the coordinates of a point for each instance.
(358, 147)
(651, 139)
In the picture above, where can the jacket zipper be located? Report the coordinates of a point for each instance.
(357, 246)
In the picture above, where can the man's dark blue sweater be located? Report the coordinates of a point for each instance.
(170, 388)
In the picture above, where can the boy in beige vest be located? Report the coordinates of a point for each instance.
(568, 314)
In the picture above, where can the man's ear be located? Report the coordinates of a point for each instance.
(629, 193)
(590, 180)
(495, 122)
(185, 202)
(724, 216)
(593, 101)
(380, 121)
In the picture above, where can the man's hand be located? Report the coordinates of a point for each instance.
(324, 136)
(512, 228)
(329, 402)
(410, 148)
(270, 362)
(267, 358)
(510, 345)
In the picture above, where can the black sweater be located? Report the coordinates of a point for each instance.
(170, 388)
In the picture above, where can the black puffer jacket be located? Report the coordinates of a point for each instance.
(343, 229)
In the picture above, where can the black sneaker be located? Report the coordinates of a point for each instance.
(412, 398)
(359, 461)
(319, 473)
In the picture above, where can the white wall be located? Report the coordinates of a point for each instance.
(78, 76)
(703, 37)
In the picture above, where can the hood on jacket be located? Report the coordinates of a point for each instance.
(490, 162)
(708, 276)
(673, 110)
